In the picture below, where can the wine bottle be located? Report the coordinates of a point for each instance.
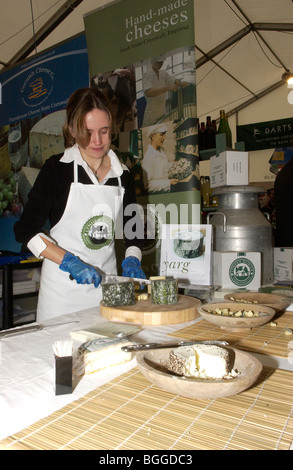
(209, 135)
(224, 128)
(201, 136)
(229, 133)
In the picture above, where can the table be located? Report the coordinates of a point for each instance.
(118, 408)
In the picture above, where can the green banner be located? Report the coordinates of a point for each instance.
(126, 31)
(141, 55)
(266, 135)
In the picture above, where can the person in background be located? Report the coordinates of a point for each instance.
(155, 163)
(283, 204)
(82, 193)
(157, 82)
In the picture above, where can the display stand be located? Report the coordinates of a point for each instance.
(221, 146)
(7, 291)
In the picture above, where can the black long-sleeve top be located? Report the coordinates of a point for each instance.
(48, 197)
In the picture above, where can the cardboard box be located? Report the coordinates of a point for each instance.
(186, 253)
(237, 270)
(283, 264)
(229, 169)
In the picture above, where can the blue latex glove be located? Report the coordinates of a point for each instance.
(83, 273)
(132, 268)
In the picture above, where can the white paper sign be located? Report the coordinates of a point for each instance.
(186, 253)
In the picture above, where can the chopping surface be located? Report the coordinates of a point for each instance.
(145, 312)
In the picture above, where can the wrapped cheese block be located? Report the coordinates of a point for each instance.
(164, 291)
(117, 294)
(101, 353)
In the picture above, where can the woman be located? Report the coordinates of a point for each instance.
(82, 192)
(155, 163)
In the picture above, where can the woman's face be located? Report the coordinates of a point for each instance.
(158, 139)
(97, 123)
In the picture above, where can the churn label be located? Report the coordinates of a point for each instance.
(242, 272)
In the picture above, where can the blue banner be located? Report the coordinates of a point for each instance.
(42, 84)
(33, 98)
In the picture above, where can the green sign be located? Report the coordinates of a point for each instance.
(266, 135)
(127, 31)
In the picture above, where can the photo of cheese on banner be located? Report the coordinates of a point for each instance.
(188, 244)
(186, 253)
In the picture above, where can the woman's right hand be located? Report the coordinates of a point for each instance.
(83, 273)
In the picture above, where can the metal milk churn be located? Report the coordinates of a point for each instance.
(239, 225)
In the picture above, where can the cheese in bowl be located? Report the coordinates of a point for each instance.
(236, 316)
(203, 361)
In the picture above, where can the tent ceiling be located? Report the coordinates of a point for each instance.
(242, 46)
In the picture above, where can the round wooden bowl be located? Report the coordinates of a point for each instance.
(154, 366)
(260, 298)
(232, 323)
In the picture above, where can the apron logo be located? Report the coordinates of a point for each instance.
(242, 272)
(98, 232)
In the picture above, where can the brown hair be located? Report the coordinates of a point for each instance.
(81, 102)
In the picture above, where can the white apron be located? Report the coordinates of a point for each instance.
(86, 229)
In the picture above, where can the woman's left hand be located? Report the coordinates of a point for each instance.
(132, 268)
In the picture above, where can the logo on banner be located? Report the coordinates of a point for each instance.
(242, 272)
(269, 134)
(98, 232)
(37, 86)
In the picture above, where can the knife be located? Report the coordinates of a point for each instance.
(147, 346)
(113, 278)
(106, 278)
(21, 330)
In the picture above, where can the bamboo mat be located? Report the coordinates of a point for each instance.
(266, 339)
(130, 413)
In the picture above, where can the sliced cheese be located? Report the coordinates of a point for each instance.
(101, 353)
(201, 361)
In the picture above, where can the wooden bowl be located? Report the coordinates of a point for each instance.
(232, 323)
(257, 298)
(153, 365)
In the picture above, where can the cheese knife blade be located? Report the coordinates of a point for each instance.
(106, 278)
(113, 278)
(147, 346)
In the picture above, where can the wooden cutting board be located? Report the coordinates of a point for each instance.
(145, 312)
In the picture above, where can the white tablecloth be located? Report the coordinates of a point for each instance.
(27, 370)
